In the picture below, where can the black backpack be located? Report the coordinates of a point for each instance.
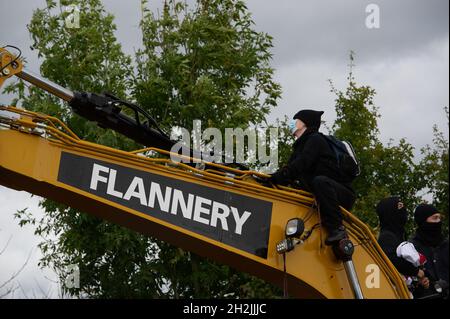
(347, 161)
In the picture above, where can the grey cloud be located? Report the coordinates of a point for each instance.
(327, 29)
(411, 93)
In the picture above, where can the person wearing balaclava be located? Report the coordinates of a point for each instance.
(393, 216)
(314, 164)
(430, 241)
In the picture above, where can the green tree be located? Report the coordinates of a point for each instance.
(386, 170)
(204, 63)
(86, 59)
(434, 170)
(208, 64)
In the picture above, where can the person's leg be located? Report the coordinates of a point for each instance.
(330, 195)
(346, 196)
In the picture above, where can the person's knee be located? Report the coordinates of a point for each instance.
(319, 182)
(349, 202)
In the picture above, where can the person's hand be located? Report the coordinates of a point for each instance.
(424, 282)
(276, 178)
(279, 177)
(420, 274)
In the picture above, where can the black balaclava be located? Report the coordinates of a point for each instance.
(392, 218)
(429, 233)
(311, 118)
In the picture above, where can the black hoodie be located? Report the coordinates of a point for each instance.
(392, 233)
(312, 156)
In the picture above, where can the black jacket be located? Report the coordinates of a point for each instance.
(389, 241)
(311, 157)
(436, 267)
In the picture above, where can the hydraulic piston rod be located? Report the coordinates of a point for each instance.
(46, 85)
(344, 250)
(353, 279)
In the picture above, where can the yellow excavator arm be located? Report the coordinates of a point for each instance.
(213, 210)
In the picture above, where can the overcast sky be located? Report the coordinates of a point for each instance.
(406, 61)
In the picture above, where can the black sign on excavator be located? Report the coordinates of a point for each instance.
(240, 221)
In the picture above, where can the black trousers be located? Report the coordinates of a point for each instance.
(330, 194)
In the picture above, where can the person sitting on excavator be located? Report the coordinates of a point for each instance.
(314, 164)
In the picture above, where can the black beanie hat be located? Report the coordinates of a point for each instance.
(423, 211)
(311, 118)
